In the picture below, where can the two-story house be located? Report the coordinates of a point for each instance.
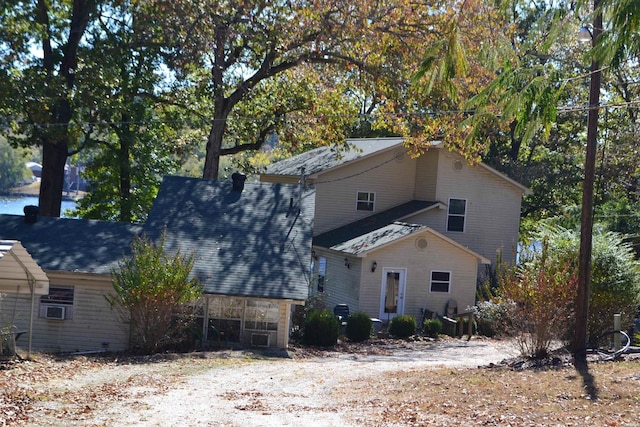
(395, 234)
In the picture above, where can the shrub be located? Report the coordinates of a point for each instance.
(538, 298)
(321, 328)
(153, 291)
(490, 316)
(359, 327)
(315, 302)
(432, 327)
(402, 326)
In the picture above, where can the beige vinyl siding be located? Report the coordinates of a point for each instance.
(93, 323)
(341, 283)
(392, 182)
(419, 263)
(492, 209)
(427, 175)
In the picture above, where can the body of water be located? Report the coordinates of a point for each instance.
(14, 205)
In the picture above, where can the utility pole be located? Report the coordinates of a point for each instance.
(586, 222)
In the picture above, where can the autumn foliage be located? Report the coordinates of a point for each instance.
(538, 295)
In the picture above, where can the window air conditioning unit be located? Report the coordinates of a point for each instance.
(260, 340)
(55, 312)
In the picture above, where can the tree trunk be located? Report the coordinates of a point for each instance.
(214, 146)
(55, 145)
(54, 158)
(124, 166)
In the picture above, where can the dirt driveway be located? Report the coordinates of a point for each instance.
(232, 388)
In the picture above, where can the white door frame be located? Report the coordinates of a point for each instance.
(402, 282)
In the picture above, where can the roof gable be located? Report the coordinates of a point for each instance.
(19, 272)
(395, 232)
(323, 159)
(256, 242)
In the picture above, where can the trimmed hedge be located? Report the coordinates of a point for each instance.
(432, 327)
(321, 328)
(359, 327)
(402, 326)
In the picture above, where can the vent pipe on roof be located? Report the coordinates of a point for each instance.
(30, 214)
(303, 184)
(238, 181)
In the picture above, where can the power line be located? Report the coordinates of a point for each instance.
(435, 113)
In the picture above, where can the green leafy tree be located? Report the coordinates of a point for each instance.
(12, 166)
(133, 134)
(41, 71)
(152, 290)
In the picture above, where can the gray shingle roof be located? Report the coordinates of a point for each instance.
(251, 243)
(323, 158)
(332, 238)
(62, 244)
(377, 238)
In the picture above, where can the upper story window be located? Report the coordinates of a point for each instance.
(440, 281)
(456, 214)
(365, 201)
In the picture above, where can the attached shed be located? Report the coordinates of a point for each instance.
(71, 314)
(20, 275)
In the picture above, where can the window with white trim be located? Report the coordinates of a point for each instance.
(365, 201)
(322, 272)
(440, 281)
(456, 214)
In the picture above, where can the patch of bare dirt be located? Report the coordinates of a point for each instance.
(229, 387)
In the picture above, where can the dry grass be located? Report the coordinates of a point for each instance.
(604, 394)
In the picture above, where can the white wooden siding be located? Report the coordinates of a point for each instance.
(438, 255)
(93, 323)
(393, 182)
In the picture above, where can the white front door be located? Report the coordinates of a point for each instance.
(392, 295)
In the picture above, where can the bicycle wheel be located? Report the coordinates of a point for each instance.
(610, 345)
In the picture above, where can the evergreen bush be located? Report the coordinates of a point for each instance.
(359, 327)
(432, 327)
(321, 328)
(402, 326)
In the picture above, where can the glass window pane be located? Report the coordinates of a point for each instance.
(457, 206)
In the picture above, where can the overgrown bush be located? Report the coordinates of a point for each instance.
(432, 327)
(402, 326)
(152, 293)
(359, 326)
(321, 328)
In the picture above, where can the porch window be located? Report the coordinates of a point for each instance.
(225, 319)
(440, 281)
(365, 201)
(261, 315)
(456, 214)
